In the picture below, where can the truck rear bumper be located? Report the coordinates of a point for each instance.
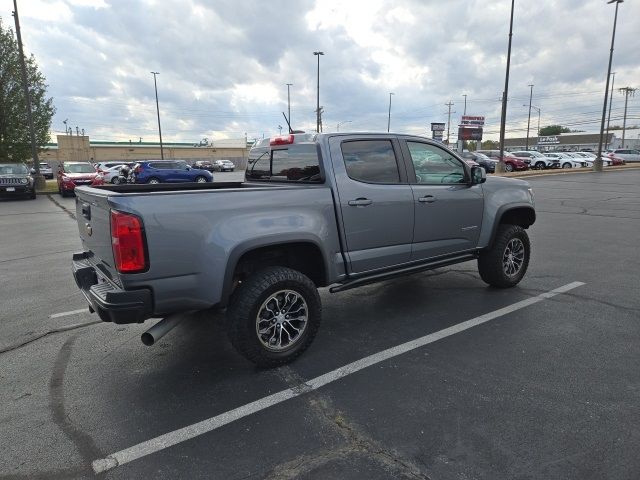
(111, 303)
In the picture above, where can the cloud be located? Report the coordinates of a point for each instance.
(224, 64)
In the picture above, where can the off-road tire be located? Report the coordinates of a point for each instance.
(244, 307)
(491, 261)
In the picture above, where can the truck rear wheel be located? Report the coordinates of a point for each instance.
(505, 263)
(274, 316)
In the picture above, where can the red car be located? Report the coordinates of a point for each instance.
(511, 162)
(73, 174)
(616, 160)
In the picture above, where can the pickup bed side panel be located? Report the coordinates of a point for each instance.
(191, 238)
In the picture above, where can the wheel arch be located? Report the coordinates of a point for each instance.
(522, 215)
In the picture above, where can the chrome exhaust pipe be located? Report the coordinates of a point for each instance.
(160, 329)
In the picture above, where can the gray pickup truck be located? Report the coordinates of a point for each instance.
(315, 210)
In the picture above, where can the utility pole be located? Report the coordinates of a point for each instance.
(465, 104)
(155, 84)
(627, 91)
(529, 120)
(389, 120)
(280, 129)
(597, 165)
(317, 54)
(289, 101)
(38, 178)
(606, 144)
(505, 94)
(450, 104)
(538, 110)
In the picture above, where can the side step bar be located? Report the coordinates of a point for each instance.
(379, 277)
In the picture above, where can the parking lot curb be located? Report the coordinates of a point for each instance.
(569, 171)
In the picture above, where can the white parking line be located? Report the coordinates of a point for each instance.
(72, 312)
(186, 433)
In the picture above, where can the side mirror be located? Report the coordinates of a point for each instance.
(32, 171)
(478, 175)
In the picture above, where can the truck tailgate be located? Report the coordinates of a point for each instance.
(93, 217)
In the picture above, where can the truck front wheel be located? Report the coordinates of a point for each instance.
(505, 263)
(273, 316)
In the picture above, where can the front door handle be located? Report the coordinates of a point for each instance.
(360, 202)
(427, 199)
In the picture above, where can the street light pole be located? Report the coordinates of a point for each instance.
(597, 165)
(155, 84)
(38, 178)
(289, 85)
(613, 80)
(389, 119)
(505, 93)
(317, 54)
(465, 104)
(529, 120)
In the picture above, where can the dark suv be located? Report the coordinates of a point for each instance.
(169, 171)
(16, 179)
(204, 165)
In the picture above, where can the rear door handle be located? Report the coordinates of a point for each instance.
(427, 199)
(360, 202)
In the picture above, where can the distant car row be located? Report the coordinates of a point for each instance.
(531, 159)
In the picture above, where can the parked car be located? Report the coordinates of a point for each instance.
(616, 160)
(537, 160)
(169, 171)
(112, 174)
(489, 164)
(73, 174)
(102, 167)
(224, 165)
(566, 160)
(16, 180)
(204, 165)
(626, 154)
(46, 171)
(377, 206)
(511, 162)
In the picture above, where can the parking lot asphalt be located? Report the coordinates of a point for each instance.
(550, 390)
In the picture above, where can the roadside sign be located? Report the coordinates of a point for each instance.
(549, 140)
(469, 121)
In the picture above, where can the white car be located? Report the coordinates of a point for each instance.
(45, 170)
(538, 160)
(626, 154)
(568, 161)
(111, 174)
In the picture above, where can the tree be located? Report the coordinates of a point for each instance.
(15, 141)
(490, 145)
(553, 130)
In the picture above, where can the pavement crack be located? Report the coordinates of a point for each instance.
(32, 339)
(358, 443)
(83, 442)
(59, 205)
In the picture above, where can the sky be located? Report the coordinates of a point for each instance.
(224, 64)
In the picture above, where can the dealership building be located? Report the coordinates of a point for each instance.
(573, 142)
(79, 148)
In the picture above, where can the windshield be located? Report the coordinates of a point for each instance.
(12, 169)
(79, 168)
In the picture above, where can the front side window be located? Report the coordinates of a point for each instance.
(435, 165)
(371, 161)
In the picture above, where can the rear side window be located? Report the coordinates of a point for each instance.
(371, 161)
(298, 163)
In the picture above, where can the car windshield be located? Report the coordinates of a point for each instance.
(482, 156)
(79, 168)
(12, 169)
(45, 165)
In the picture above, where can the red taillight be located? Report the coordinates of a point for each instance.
(281, 140)
(127, 242)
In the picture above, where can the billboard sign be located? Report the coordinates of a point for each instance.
(469, 121)
(437, 127)
(470, 133)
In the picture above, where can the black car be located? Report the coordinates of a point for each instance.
(204, 165)
(481, 159)
(16, 180)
